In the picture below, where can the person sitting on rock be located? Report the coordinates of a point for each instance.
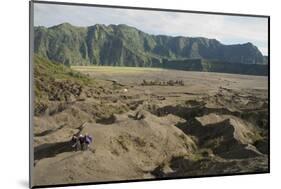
(81, 139)
(76, 140)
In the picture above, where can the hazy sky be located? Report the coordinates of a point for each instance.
(227, 29)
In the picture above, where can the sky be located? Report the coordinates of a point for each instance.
(227, 29)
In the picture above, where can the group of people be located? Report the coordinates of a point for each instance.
(163, 83)
(81, 142)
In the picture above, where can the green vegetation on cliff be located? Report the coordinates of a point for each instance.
(122, 45)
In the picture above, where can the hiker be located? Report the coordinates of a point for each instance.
(77, 144)
(81, 142)
(87, 141)
(81, 139)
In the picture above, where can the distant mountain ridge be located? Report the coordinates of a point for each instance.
(122, 45)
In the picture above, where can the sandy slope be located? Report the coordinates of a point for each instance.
(215, 124)
(127, 149)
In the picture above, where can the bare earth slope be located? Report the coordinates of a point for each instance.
(213, 124)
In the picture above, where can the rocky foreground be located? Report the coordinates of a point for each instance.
(143, 132)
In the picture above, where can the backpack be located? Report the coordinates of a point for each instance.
(88, 139)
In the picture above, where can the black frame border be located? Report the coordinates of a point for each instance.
(31, 52)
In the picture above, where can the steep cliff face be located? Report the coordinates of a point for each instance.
(122, 45)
